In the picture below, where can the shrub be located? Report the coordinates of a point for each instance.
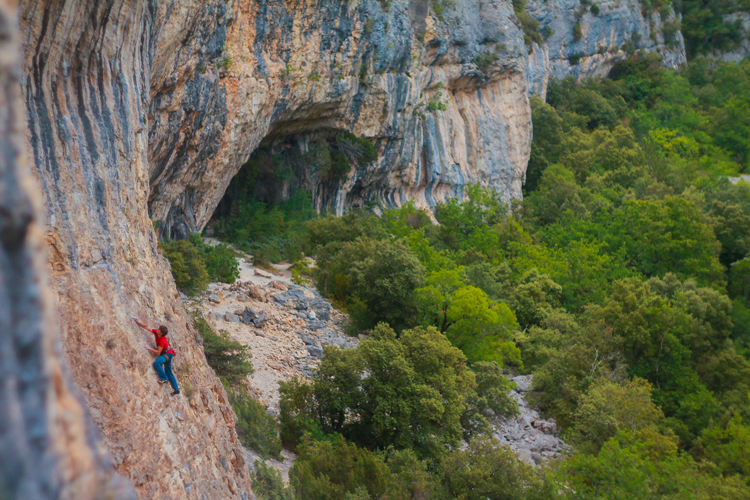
(413, 396)
(268, 484)
(220, 260)
(195, 264)
(224, 63)
(529, 25)
(594, 9)
(485, 60)
(577, 31)
(380, 275)
(188, 267)
(575, 58)
(257, 430)
(228, 358)
(485, 469)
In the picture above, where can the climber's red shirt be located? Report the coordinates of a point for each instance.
(162, 342)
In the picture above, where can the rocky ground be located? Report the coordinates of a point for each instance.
(285, 325)
(532, 437)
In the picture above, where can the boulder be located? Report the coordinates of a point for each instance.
(314, 351)
(256, 293)
(263, 274)
(260, 320)
(293, 299)
(248, 315)
(279, 285)
(232, 318)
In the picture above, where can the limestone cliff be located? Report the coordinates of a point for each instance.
(743, 49)
(588, 39)
(87, 71)
(49, 448)
(276, 68)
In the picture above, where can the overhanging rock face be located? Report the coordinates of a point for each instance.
(443, 100)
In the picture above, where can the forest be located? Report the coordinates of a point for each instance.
(621, 282)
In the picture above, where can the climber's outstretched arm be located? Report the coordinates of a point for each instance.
(141, 324)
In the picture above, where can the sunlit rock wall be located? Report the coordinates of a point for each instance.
(86, 86)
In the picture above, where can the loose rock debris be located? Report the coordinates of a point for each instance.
(285, 325)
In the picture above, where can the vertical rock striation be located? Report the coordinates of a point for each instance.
(49, 449)
(444, 100)
(87, 91)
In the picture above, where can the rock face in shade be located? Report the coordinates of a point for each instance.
(259, 72)
(603, 38)
(86, 87)
(49, 448)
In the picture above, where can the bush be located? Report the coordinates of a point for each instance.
(331, 469)
(577, 31)
(195, 264)
(257, 430)
(529, 25)
(575, 58)
(268, 484)
(485, 469)
(594, 9)
(413, 396)
(376, 279)
(187, 265)
(229, 359)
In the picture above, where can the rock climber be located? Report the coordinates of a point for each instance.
(164, 355)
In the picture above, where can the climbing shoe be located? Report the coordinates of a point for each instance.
(176, 393)
(162, 382)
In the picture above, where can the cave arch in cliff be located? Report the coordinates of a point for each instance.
(291, 159)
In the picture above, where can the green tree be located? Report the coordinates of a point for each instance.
(413, 395)
(627, 468)
(333, 468)
(377, 278)
(739, 280)
(492, 401)
(473, 322)
(727, 447)
(257, 430)
(609, 407)
(485, 469)
(187, 266)
(268, 484)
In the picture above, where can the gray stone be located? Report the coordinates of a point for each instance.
(293, 299)
(314, 351)
(232, 318)
(263, 274)
(315, 325)
(609, 30)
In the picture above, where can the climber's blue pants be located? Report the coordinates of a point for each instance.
(164, 363)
